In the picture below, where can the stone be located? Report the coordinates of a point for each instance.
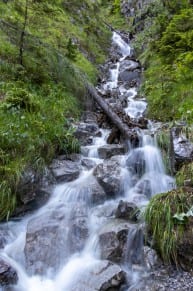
(97, 193)
(136, 162)
(85, 131)
(129, 76)
(65, 170)
(88, 163)
(102, 276)
(113, 240)
(34, 190)
(129, 65)
(151, 258)
(127, 210)
(78, 228)
(45, 242)
(8, 275)
(107, 151)
(109, 176)
(183, 148)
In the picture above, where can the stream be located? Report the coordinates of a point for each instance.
(82, 239)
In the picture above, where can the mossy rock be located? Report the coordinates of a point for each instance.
(169, 220)
(185, 175)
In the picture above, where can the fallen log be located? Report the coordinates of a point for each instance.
(115, 119)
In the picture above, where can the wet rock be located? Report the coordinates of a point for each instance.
(136, 162)
(8, 275)
(85, 131)
(45, 242)
(78, 228)
(129, 65)
(144, 187)
(102, 276)
(88, 163)
(107, 151)
(89, 117)
(129, 76)
(183, 148)
(97, 193)
(127, 210)
(65, 170)
(108, 175)
(34, 190)
(151, 258)
(113, 240)
(114, 136)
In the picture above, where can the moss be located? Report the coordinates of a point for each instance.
(185, 174)
(166, 230)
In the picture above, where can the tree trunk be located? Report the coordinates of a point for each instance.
(116, 120)
(22, 36)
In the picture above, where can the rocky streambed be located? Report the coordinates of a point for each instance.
(88, 232)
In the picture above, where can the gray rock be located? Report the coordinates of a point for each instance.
(113, 240)
(129, 65)
(107, 151)
(65, 170)
(78, 228)
(183, 148)
(88, 163)
(8, 275)
(102, 276)
(129, 76)
(151, 258)
(136, 162)
(34, 190)
(45, 242)
(108, 175)
(85, 131)
(127, 210)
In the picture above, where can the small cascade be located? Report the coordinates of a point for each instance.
(88, 235)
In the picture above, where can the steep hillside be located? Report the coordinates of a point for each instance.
(48, 50)
(163, 38)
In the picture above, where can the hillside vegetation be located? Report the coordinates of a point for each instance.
(165, 47)
(48, 50)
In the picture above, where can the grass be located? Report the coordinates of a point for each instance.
(62, 48)
(166, 230)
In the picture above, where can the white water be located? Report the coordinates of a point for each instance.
(67, 197)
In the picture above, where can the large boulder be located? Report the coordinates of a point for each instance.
(127, 210)
(34, 190)
(102, 276)
(136, 162)
(107, 151)
(121, 241)
(85, 131)
(109, 176)
(78, 228)
(8, 275)
(44, 239)
(130, 76)
(65, 170)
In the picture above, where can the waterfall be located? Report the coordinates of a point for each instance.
(70, 226)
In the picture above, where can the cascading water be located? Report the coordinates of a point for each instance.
(76, 259)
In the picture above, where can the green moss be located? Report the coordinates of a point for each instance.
(165, 229)
(185, 173)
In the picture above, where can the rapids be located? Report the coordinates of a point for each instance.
(73, 268)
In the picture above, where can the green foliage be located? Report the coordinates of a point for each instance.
(163, 221)
(185, 173)
(47, 54)
(71, 50)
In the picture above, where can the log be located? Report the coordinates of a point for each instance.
(115, 119)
